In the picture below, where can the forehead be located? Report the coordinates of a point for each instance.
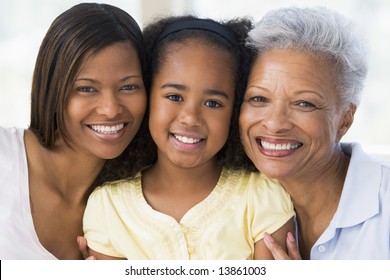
(198, 46)
(110, 54)
(197, 56)
(197, 66)
(293, 66)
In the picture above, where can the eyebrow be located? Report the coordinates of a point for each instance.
(310, 91)
(256, 88)
(207, 91)
(175, 86)
(95, 81)
(296, 92)
(217, 92)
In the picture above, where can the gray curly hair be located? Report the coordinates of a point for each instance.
(323, 33)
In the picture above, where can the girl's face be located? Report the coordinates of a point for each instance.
(291, 118)
(191, 103)
(107, 102)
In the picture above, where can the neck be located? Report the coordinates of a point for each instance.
(177, 178)
(173, 190)
(67, 171)
(315, 197)
(318, 189)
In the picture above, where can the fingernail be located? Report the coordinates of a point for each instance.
(290, 237)
(267, 237)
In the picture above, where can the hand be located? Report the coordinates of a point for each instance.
(83, 247)
(278, 252)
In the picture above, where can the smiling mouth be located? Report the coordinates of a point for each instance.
(288, 146)
(187, 140)
(107, 129)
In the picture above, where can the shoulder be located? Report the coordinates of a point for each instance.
(112, 199)
(12, 148)
(364, 163)
(367, 175)
(265, 192)
(258, 181)
(9, 135)
(385, 179)
(254, 182)
(262, 197)
(117, 188)
(268, 205)
(358, 154)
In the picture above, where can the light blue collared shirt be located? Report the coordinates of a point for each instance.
(360, 228)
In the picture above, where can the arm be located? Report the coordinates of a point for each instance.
(98, 215)
(263, 252)
(89, 254)
(100, 256)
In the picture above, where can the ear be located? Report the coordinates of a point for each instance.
(346, 121)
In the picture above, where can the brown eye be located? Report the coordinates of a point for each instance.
(213, 104)
(130, 87)
(257, 101)
(86, 89)
(305, 106)
(175, 97)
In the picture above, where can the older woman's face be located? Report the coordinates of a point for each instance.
(290, 119)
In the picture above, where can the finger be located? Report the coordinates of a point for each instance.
(82, 244)
(292, 247)
(274, 247)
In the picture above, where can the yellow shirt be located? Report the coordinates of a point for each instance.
(225, 225)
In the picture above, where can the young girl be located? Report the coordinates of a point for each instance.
(192, 202)
(87, 103)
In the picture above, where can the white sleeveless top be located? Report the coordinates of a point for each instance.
(18, 239)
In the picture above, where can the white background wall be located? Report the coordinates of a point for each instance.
(23, 24)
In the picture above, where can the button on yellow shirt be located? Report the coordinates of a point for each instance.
(225, 225)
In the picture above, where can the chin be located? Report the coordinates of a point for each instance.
(109, 154)
(270, 170)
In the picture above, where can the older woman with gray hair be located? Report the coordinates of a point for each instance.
(303, 90)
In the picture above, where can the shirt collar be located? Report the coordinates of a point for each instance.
(360, 196)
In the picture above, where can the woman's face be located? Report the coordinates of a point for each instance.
(291, 119)
(107, 102)
(191, 103)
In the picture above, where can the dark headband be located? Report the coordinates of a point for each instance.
(199, 24)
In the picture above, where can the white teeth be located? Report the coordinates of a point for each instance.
(187, 140)
(105, 129)
(279, 147)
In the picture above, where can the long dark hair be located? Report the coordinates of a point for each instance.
(71, 39)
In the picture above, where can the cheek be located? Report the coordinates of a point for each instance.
(220, 126)
(247, 119)
(159, 119)
(74, 110)
(242, 121)
(224, 127)
(322, 127)
(158, 113)
(138, 106)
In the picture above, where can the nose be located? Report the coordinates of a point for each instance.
(190, 115)
(109, 105)
(277, 119)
